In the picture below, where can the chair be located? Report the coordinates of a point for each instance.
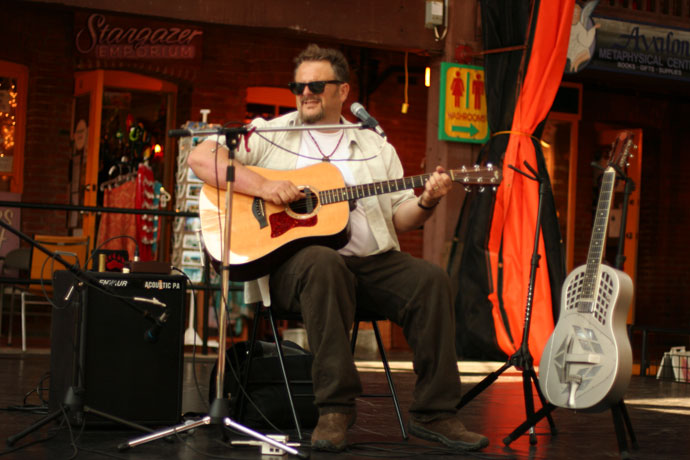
(16, 264)
(361, 315)
(73, 249)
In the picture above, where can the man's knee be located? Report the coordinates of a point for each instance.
(432, 275)
(320, 259)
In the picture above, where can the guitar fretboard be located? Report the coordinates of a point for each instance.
(375, 188)
(598, 240)
(486, 175)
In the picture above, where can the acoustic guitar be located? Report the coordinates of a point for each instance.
(263, 234)
(587, 361)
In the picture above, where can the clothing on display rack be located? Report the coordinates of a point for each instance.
(115, 224)
(132, 190)
(144, 199)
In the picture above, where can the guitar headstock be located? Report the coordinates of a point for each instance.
(621, 150)
(487, 175)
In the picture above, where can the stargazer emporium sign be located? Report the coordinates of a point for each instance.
(641, 49)
(118, 37)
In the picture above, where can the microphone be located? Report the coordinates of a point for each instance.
(368, 121)
(180, 132)
(152, 334)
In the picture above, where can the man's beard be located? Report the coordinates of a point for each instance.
(313, 117)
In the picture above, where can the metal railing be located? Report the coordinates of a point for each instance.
(664, 12)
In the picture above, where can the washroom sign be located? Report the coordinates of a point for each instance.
(462, 104)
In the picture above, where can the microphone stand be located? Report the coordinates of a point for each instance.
(522, 358)
(73, 403)
(219, 413)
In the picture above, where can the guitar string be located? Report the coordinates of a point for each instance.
(300, 206)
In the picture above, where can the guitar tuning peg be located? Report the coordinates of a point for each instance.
(476, 167)
(489, 166)
(481, 189)
(463, 168)
(467, 188)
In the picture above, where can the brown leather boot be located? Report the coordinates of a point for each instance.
(448, 431)
(330, 431)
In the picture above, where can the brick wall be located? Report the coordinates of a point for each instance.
(663, 261)
(47, 54)
(234, 59)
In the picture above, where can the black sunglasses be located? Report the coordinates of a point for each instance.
(316, 87)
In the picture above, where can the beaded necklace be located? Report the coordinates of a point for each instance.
(324, 156)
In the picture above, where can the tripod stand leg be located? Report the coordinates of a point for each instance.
(529, 403)
(114, 418)
(164, 433)
(478, 388)
(236, 426)
(628, 424)
(552, 425)
(45, 420)
(620, 431)
(621, 422)
(540, 414)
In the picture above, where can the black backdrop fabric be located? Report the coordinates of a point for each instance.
(504, 24)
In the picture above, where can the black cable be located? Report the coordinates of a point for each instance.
(73, 443)
(194, 375)
(51, 434)
(136, 248)
(235, 375)
(410, 450)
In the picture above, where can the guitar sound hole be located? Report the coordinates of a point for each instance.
(306, 205)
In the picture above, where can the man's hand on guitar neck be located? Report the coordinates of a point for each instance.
(438, 186)
(413, 213)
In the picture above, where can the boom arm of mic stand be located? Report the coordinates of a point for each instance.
(242, 130)
(74, 269)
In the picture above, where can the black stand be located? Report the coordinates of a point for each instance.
(522, 358)
(619, 412)
(219, 412)
(73, 407)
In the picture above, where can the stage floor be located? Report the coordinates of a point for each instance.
(659, 411)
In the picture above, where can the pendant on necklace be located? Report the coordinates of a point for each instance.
(325, 157)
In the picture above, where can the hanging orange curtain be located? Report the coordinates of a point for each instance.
(515, 212)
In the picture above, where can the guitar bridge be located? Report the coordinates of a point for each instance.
(259, 212)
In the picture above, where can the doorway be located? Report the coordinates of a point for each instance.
(570, 156)
(120, 122)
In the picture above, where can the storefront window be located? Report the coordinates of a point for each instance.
(13, 80)
(8, 115)
(268, 102)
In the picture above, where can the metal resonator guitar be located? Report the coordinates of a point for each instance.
(587, 362)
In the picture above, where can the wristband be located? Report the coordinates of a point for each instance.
(426, 208)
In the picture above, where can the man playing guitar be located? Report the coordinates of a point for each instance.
(324, 284)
